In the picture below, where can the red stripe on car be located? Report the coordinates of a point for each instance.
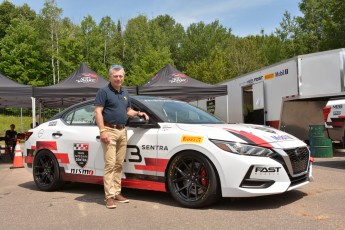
(257, 140)
(51, 145)
(153, 164)
(29, 159)
(143, 184)
(336, 124)
(62, 158)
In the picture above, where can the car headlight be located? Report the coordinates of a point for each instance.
(243, 149)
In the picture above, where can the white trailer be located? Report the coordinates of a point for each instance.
(288, 95)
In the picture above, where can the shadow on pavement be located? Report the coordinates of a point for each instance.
(92, 193)
(5, 159)
(336, 162)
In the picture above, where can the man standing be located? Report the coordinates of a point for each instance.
(11, 139)
(112, 105)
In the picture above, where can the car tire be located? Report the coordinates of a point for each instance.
(46, 171)
(192, 180)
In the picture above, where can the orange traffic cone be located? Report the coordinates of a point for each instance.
(18, 157)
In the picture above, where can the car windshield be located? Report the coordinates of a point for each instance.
(179, 112)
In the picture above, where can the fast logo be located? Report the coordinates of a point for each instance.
(263, 169)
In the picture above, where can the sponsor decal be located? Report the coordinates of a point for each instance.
(281, 137)
(269, 76)
(178, 78)
(211, 106)
(262, 128)
(337, 106)
(165, 128)
(81, 154)
(336, 112)
(154, 147)
(52, 123)
(82, 171)
(40, 133)
(281, 73)
(254, 80)
(264, 170)
(154, 77)
(88, 78)
(192, 139)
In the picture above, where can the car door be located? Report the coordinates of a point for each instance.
(141, 154)
(79, 137)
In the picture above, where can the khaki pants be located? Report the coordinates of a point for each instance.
(114, 155)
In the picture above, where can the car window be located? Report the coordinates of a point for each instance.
(179, 112)
(81, 116)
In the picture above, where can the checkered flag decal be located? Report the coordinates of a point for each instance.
(81, 147)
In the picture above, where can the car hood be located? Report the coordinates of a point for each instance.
(245, 133)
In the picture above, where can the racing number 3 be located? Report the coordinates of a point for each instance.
(134, 154)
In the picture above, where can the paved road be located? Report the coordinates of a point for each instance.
(319, 205)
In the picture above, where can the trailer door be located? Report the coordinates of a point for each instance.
(259, 103)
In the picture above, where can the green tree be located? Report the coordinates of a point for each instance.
(20, 54)
(244, 55)
(49, 25)
(290, 35)
(111, 46)
(271, 48)
(200, 41)
(8, 11)
(6, 15)
(335, 26)
(70, 46)
(174, 33)
(146, 51)
(312, 24)
(213, 69)
(92, 40)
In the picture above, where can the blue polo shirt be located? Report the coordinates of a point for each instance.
(114, 103)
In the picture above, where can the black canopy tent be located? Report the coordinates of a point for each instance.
(171, 83)
(14, 94)
(81, 85)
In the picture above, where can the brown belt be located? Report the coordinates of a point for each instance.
(119, 127)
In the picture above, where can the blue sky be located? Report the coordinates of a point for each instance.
(244, 17)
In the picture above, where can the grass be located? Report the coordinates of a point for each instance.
(22, 123)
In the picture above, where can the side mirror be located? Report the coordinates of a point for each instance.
(139, 122)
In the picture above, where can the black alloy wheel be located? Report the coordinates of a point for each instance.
(192, 180)
(46, 171)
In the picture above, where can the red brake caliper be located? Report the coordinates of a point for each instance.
(203, 174)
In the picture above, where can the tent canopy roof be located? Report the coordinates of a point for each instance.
(169, 82)
(14, 94)
(81, 85)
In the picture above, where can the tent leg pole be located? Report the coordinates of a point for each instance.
(227, 109)
(33, 103)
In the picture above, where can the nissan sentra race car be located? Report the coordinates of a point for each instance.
(181, 149)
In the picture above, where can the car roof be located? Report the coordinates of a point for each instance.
(135, 97)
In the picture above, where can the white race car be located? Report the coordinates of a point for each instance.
(181, 149)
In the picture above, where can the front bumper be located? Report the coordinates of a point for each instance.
(258, 176)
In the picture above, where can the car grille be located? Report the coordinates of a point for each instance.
(299, 159)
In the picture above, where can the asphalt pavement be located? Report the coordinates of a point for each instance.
(318, 205)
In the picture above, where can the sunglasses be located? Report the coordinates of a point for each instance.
(117, 76)
(116, 67)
